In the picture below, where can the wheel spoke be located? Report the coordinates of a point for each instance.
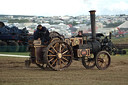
(51, 59)
(51, 55)
(92, 63)
(60, 48)
(65, 59)
(56, 46)
(60, 63)
(54, 49)
(100, 64)
(51, 51)
(63, 62)
(65, 52)
(66, 55)
(86, 58)
(103, 64)
(88, 63)
(99, 59)
(54, 62)
(63, 49)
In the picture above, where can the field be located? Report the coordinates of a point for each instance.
(120, 40)
(13, 72)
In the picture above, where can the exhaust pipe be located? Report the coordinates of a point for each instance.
(92, 18)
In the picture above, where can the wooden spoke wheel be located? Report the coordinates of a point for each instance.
(58, 55)
(88, 61)
(103, 60)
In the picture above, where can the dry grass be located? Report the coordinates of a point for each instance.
(13, 72)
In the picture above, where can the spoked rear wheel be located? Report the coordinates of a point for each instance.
(89, 61)
(103, 60)
(58, 55)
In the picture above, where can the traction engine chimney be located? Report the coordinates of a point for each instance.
(92, 18)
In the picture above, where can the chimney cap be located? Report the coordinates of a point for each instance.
(92, 11)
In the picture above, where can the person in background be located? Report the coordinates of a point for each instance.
(42, 34)
(1, 24)
(80, 34)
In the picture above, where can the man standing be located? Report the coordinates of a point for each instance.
(42, 34)
(80, 34)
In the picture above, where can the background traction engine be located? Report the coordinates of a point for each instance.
(59, 54)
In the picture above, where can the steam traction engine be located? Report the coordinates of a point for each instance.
(60, 52)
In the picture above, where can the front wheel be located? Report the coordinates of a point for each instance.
(103, 60)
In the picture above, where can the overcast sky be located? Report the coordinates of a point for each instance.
(63, 7)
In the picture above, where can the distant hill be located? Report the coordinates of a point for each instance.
(1, 15)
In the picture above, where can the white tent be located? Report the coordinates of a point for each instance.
(124, 26)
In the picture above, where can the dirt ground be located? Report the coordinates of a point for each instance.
(13, 72)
